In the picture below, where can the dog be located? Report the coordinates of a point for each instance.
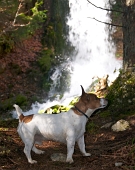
(66, 127)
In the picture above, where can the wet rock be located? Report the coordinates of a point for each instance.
(107, 125)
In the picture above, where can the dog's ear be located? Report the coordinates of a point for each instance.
(83, 92)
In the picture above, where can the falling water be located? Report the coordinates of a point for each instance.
(94, 49)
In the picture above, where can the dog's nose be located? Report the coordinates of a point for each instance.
(106, 102)
(103, 102)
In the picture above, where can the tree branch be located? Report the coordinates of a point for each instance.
(106, 22)
(104, 8)
(19, 7)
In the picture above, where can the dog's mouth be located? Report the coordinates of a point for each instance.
(104, 103)
(103, 106)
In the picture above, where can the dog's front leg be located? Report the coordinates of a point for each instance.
(70, 149)
(81, 145)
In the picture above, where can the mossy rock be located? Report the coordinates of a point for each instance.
(121, 94)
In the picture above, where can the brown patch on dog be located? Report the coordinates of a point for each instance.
(87, 101)
(26, 119)
(21, 117)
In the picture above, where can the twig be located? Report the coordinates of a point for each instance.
(114, 155)
(16, 15)
(17, 12)
(13, 161)
(106, 22)
(104, 8)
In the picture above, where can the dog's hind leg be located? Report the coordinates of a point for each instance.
(81, 145)
(27, 150)
(38, 138)
(37, 151)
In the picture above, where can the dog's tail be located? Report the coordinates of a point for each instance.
(18, 110)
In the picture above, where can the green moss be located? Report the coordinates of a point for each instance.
(46, 60)
(105, 114)
(12, 123)
(6, 43)
(8, 104)
(91, 127)
(121, 94)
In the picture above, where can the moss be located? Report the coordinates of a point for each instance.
(105, 114)
(46, 60)
(121, 94)
(12, 123)
(6, 44)
(91, 127)
(8, 104)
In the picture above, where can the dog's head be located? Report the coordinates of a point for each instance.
(91, 101)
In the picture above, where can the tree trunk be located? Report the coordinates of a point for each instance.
(128, 34)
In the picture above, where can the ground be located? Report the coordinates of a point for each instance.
(107, 148)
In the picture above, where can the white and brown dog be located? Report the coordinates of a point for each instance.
(67, 127)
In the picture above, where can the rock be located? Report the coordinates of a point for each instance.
(118, 163)
(107, 125)
(120, 125)
(58, 157)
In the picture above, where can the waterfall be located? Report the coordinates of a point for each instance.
(95, 50)
(94, 53)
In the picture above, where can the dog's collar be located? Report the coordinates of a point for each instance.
(81, 112)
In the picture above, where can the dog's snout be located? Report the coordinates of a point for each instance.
(103, 102)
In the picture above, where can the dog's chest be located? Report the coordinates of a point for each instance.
(79, 128)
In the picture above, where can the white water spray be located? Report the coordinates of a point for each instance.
(95, 52)
(95, 48)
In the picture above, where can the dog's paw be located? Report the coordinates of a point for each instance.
(32, 161)
(37, 151)
(69, 160)
(86, 154)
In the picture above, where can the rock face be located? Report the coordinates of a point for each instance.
(120, 125)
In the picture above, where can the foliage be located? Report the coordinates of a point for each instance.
(6, 43)
(121, 94)
(6, 124)
(59, 108)
(18, 21)
(8, 104)
(33, 22)
(91, 127)
(116, 6)
(46, 60)
(116, 16)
